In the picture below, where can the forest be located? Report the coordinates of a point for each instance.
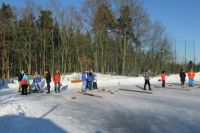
(109, 36)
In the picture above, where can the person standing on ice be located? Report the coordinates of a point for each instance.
(56, 79)
(90, 79)
(182, 77)
(163, 78)
(94, 82)
(191, 75)
(84, 81)
(146, 76)
(48, 80)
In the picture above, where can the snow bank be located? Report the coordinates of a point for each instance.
(111, 80)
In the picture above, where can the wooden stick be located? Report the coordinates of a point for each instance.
(89, 94)
(147, 92)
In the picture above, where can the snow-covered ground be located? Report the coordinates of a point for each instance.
(110, 80)
(172, 109)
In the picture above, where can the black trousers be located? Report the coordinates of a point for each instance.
(95, 85)
(48, 87)
(163, 83)
(24, 89)
(147, 82)
(182, 82)
(87, 84)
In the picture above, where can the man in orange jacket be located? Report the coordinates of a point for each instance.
(191, 75)
(56, 79)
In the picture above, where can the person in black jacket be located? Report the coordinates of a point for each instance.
(20, 76)
(48, 80)
(182, 77)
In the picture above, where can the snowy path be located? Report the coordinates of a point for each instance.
(166, 110)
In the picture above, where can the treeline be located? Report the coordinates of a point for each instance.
(107, 36)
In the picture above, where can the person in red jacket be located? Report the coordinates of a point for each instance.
(56, 79)
(163, 78)
(191, 75)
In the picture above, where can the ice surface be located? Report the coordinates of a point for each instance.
(168, 110)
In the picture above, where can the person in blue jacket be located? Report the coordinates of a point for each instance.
(37, 82)
(90, 79)
(84, 81)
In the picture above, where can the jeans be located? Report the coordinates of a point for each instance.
(57, 87)
(191, 82)
(84, 82)
(37, 86)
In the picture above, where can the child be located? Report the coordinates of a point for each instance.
(163, 78)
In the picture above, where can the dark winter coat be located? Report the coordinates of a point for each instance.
(20, 76)
(48, 77)
(182, 76)
(90, 77)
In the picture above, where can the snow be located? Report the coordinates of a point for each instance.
(170, 109)
(110, 80)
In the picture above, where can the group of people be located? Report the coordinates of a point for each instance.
(89, 80)
(191, 75)
(25, 87)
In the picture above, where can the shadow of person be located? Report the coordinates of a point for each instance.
(21, 124)
(63, 88)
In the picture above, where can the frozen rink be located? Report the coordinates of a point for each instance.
(167, 110)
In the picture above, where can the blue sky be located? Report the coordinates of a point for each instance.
(180, 17)
(182, 21)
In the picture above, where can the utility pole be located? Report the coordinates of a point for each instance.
(194, 53)
(185, 54)
(175, 57)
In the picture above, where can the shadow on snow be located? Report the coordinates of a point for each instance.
(21, 124)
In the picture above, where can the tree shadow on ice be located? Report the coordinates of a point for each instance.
(21, 124)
